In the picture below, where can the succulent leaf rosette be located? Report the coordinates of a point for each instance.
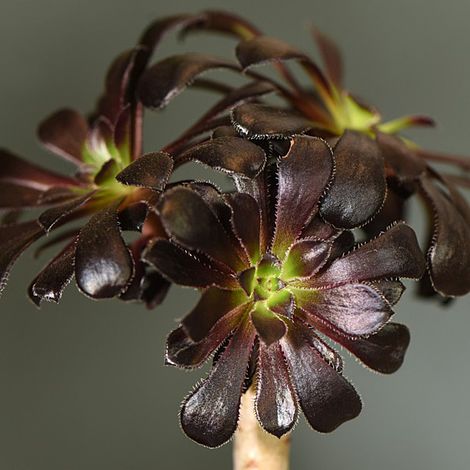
(272, 290)
(115, 185)
(107, 188)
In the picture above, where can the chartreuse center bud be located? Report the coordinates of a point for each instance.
(263, 284)
(270, 284)
(268, 281)
(105, 160)
(348, 114)
(263, 280)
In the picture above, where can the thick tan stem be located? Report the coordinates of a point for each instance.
(254, 448)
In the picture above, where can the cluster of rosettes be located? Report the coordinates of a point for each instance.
(276, 259)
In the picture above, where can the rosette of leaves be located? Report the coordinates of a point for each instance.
(94, 205)
(275, 279)
(327, 109)
(114, 188)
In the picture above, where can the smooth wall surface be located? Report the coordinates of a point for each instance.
(82, 384)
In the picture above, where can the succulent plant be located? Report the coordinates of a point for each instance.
(308, 246)
(272, 284)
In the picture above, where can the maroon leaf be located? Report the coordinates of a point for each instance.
(303, 175)
(151, 171)
(13, 196)
(58, 195)
(258, 188)
(449, 252)
(355, 309)
(209, 414)
(325, 396)
(247, 280)
(14, 239)
(213, 305)
(384, 351)
(330, 55)
(263, 49)
(232, 155)
(185, 268)
(23, 173)
(134, 289)
(407, 166)
(257, 121)
(49, 218)
(276, 403)
(305, 258)
(329, 354)
(246, 220)
(395, 253)
(270, 327)
(182, 351)
(50, 283)
(65, 133)
(358, 190)
(120, 83)
(168, 78)
(448, 159)
(189, 219)
(103, 263)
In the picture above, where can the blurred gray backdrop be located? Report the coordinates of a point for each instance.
(82, 384)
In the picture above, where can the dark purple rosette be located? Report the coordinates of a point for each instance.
(116, 184)
(276, 279)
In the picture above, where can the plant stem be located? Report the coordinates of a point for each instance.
(254, 448)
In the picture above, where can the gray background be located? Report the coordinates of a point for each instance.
(83, 385)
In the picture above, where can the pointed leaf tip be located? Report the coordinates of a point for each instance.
(165, 80)
(151, 171)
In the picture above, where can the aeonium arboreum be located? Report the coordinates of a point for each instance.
(102, 190)
(114, 188)
(271, 291)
